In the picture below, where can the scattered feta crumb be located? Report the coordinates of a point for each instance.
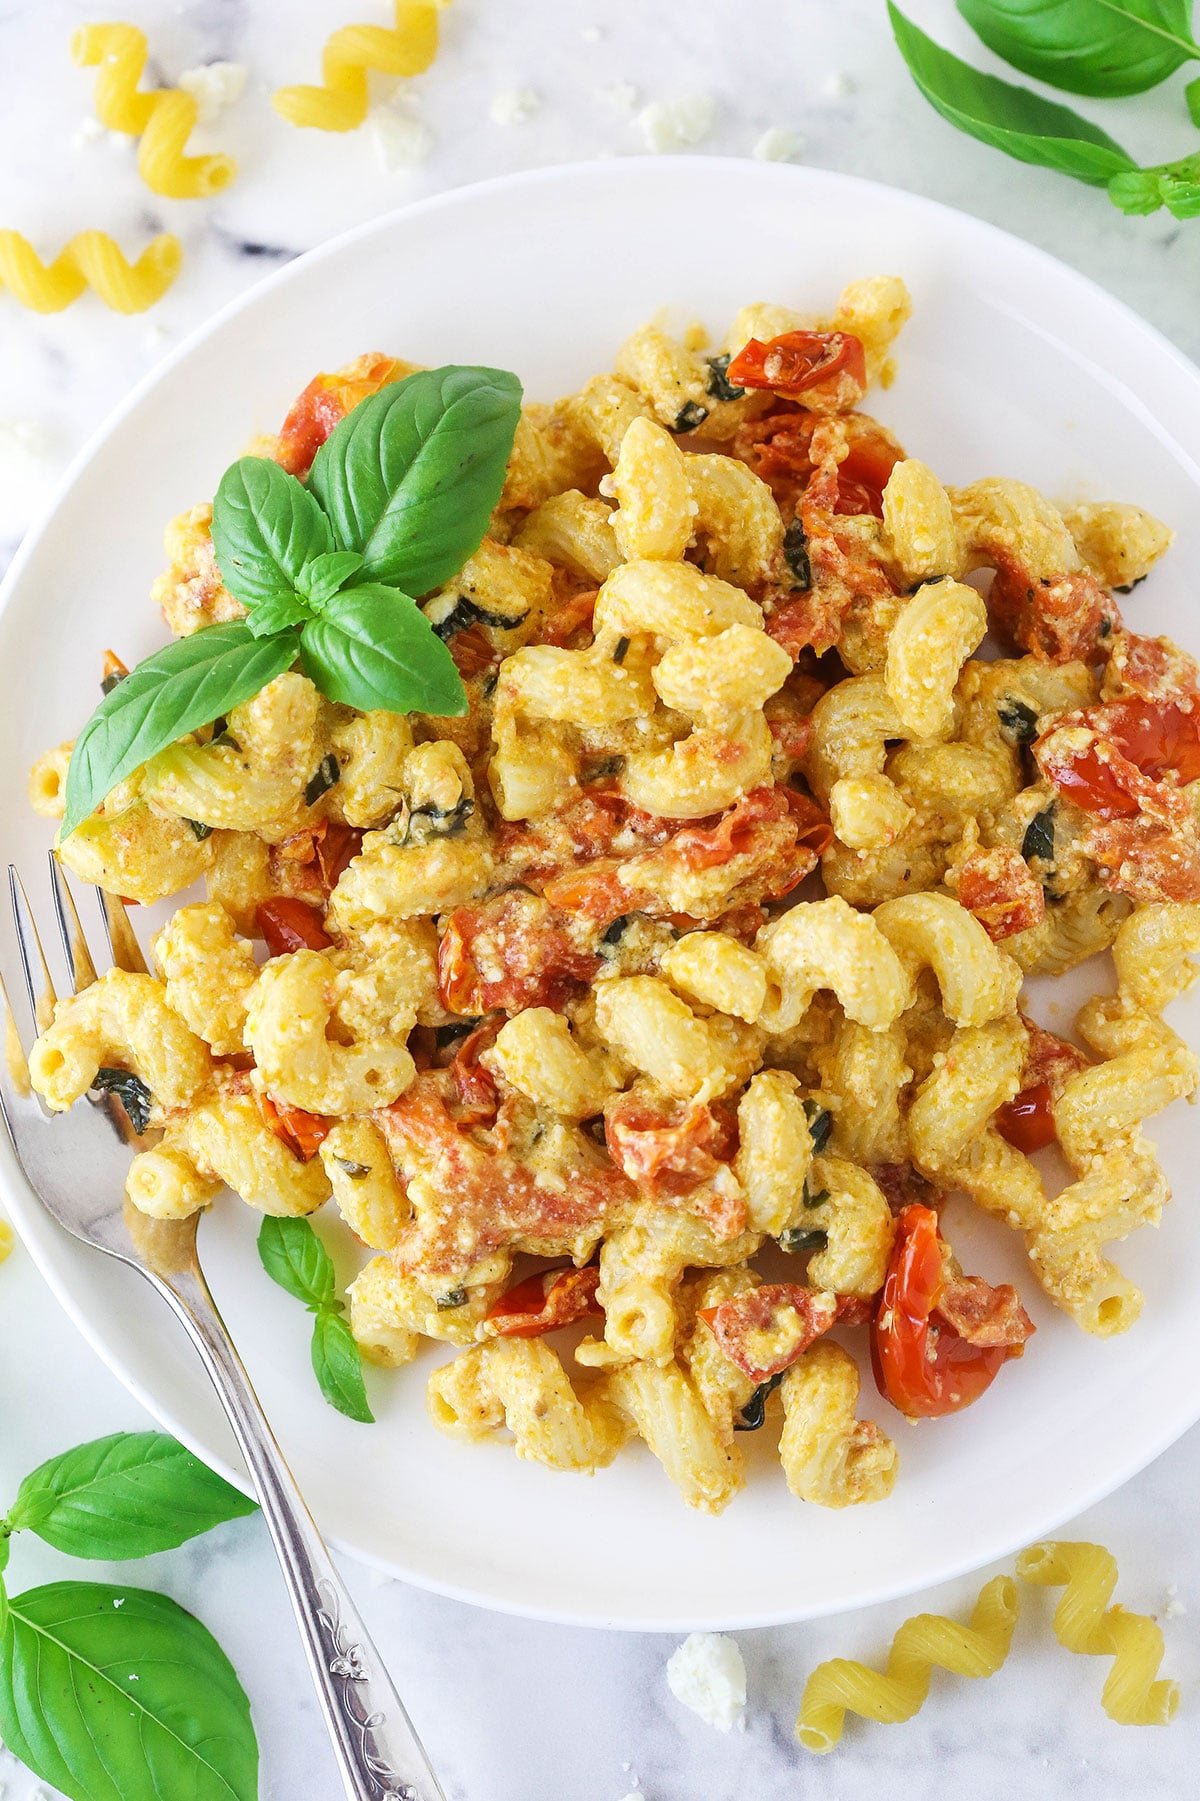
(155, 335)
(837, 85)
(707, 1674)
(27, 463)
(401, 139)
(619, 94)
(592, 34)
(778, 145)
(1174, 1607)
(134, 1678)
(119, 1601)
(89, 131)
(675, 124)
(214, 86)
(514, 106)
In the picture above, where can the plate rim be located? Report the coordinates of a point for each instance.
(38, 1230)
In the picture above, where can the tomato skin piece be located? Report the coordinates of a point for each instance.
(303, 1133)
(863, 475)
(923, 1369)
(798, 361)
(1027, 1121)
(291, 925)
(1136, 742)
(542, 1303)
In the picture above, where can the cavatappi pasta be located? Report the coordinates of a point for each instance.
(688, 962)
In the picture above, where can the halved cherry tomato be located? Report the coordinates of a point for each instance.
(323, 404)
(1157, 735)
(1027, 1121)
(291, 925)
(557, 1297)
(303, 1133)
(1133, 738)
(798, 361)
(765, 1330)
(336, 847)
(864, 474)
(472, 651)
(921, 1365)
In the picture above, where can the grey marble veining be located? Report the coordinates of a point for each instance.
(512, 1710)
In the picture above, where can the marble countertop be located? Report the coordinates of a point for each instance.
(515, 1711)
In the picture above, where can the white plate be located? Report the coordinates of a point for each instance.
(1012, 364)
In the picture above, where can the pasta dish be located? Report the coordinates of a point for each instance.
(640, 988)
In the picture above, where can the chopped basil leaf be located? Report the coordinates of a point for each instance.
(1018, 722)
(754, 1414)
(424, 823)
(616, 930)
(118, 675)
(199, 829)
(355, 1171)
(796, 1239)
(453, 1297)
(132, 1093)
(1125, 588)
(446, 1035)
(815, 1200)
(329, 771)
(1039, 837)
(605, 767)
(820, 1125)
(621, 650)
(795, 553)
(467, 612)
(719, 384)
(690, 416)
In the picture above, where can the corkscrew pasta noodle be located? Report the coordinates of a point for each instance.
(339, 103)
(162, 119)
(91, 259)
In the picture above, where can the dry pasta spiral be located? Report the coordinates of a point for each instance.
(340, 102)
(162, 120)
(926, 1641)
(1084, 1622)
(90, 260)
(7, 1239)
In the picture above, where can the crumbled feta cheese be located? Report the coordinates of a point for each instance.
(622, 95)
(89, 131)
(27, 464)
(214, 86)
(155, 335)
(119, 1601)
(707, 1674)
(675, 124)
(1174, 1607)
(592, 34)
(514, 106)
(837, 85)
(778, 145)
(401, 139)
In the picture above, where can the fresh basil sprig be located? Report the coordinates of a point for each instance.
(399, 497)
(294, 1257)
(1101, 47)
(1038, 131)
(111, 1693)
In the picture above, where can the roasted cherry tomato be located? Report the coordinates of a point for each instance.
(799, 361)
(303, 1133)
(864, 474)
(291, 925)
(336, 847)
(557, 1297)
(1027, 1121)
(922, 1366)
(323, 404)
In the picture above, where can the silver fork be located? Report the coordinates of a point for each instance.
(75, 1163)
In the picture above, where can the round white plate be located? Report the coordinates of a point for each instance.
(1012, 364)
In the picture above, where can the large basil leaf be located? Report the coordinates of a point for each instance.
(116, 1694)
(409, 478)
(373, 647)
(265, 527)
(294, 1257)
(337, 1365)
(1088, 46)
(1009, 118)
(177, 690)
(128, 1495)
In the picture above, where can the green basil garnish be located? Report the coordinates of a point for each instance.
(409, 479)
(453, 1297)
(355, 1171)
(820, 1125)
(1023, 125)
(795, 553)
(400, 495)
(1102, 47)
(689, 416)
(796, 1240)
(294, 1258)
(719, 384)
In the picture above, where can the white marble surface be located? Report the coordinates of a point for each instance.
(515, 1711)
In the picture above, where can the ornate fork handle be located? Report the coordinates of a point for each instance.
(372, 1735)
